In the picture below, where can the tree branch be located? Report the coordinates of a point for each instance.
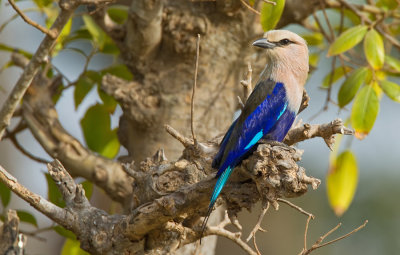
(31, 69)
(39, 203)
(42, 120)
(53, 34)
(326, 131)
(9, 233)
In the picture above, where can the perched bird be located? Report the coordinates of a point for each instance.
(271, 108)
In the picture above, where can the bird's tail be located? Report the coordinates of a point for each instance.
(217, 190)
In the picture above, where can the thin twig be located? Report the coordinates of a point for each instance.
(258, 224)
(50, 33)
(235, 237)
(317, 244)
(13, 17)
(194, 88)
(321, 29)
(247, 84)
(39, 203)
(332, 33)
(250, 8)
(344, 236)
(306, 232)
(17, 145)
(13, 100)
(269, 2)
(178, 136)
(296, 207)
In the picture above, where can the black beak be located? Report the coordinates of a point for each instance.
(264, 43)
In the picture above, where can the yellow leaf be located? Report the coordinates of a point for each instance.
(342, 182)
(373, 49)
(364, 112)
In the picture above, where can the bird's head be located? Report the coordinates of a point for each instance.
(286, 52)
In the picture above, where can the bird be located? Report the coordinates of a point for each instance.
(271, 108)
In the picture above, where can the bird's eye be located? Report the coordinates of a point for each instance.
(284, 42)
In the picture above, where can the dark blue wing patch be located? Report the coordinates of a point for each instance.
(218, 157)
(250, 129)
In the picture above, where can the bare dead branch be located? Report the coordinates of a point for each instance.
(17, 145)
(9, 233)
(36, 201)
(248, 6)
(306, 232)
(247, 85)
(178, 136)
(298, 208)
(194, 89)
(257, 227)
(31, 69)
(344, 236)
(318, 244)
(326, 131)
(231, 236)
(42, 120)
(51, 33)
(235, 237)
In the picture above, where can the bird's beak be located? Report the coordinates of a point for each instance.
(264, 43)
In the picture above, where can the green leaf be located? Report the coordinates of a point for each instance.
(88, 187)
(387, 4)
(80, 34)
(391, 89)
(43, 3)
(51, 13)
(94, 76)
(53, 193)
(342, 181)
(97, 132)
(108, 101)
(351, 85)
(314, 39)
(5, 47)
(313, 59)
(110, 47)
(118, 13)
(72, 247)
(5, 195)
(111, 148)
(364, 112)
(271, 14)
(120, 71)
(373, 49)
(97, 33)
(347, 40)
(27, 217)
(65, 32)
(64, 232)
(393, 62)
(337, 74)
(82, 88)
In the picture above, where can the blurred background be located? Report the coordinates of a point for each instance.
(378, 157)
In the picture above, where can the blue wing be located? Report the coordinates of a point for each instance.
(218, 157)
(265, 115)
(265, 111)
